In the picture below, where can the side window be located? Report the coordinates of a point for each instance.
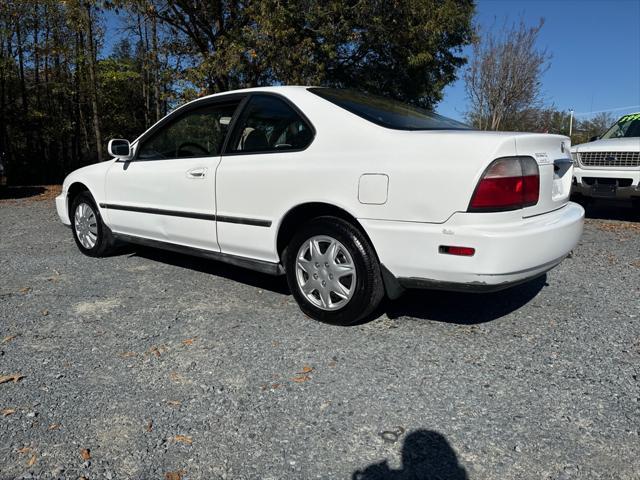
(269, 124)
(197, 133)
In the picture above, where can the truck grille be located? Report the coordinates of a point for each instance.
(610, 159)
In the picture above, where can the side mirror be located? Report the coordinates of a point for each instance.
(119, 148)
(594, 138)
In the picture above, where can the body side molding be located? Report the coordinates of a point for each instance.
(201, 216)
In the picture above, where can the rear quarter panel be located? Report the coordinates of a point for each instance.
(431, 175)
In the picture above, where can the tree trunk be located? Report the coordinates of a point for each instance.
(145, 72)
(23, 88)
(156, 68)
(93, 90)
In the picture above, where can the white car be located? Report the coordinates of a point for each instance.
(351, 196)
(609, 167)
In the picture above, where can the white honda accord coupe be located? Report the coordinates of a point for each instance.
(351, 196)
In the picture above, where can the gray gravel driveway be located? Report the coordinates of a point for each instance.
(153, 365)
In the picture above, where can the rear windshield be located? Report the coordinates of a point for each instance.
(386, 112)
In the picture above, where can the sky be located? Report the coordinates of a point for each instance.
(595, 46)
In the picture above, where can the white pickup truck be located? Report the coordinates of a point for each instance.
(609, 166)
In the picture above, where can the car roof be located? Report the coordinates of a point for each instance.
(275, 88)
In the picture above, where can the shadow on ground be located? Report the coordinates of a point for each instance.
(463, 308)
(14, 193)
(426, 455)
(449, 307)
(604, 209)
(211, 267)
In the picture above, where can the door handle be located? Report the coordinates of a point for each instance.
(199, 172)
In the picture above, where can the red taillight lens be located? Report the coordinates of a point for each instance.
(507, 184)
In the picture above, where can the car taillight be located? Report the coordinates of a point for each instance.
(508, 183)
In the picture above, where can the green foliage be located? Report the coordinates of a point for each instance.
(62, 96)
(406, 49)
(120, 101)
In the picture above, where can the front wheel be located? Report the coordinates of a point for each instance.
(333, 271)
(92, 236)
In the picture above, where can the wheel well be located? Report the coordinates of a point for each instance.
(305, 212)
(74, 190)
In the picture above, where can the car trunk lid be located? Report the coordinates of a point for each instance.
(552, 154)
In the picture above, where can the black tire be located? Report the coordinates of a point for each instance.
(368, 290)
(104, 240)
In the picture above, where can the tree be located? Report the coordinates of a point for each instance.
(503, 80)
(62, 95)
(407, 49)
(593, 127)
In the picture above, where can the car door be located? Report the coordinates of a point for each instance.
(167, 192)
(263, 152)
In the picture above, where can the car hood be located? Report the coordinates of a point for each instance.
(631, 144)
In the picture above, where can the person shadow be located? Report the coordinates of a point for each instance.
(426, 455)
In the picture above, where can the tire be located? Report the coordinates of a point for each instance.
(91, 235)
(343, 261)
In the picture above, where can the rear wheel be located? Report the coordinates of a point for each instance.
(92, 236)
(333, 271)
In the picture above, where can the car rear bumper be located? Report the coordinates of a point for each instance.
(505, 253)
(623, 184)
(61, 207)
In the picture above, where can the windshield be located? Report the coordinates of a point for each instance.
(627, 126)
(386, 112)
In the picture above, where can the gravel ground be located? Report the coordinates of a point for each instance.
(156, 365)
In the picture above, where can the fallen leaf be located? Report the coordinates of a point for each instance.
(24, 450)
(188, 341)
(24, 290)
(618, 226)
(8, 338)
(301, 378)
(174, 475)
(54, 426)
(157, 351)
(85, 454)
(8, 378)
(183, 439)
(149, 425)
(174, 403)
(128, 354)
(44, 312)
(31, 461)
(176, 377)
(8, 411)
(55, 277)
(305, 369)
